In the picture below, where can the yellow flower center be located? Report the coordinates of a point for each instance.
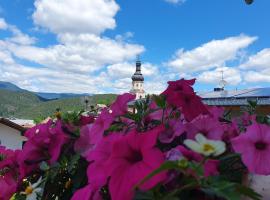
(29, 190)
(208, 148)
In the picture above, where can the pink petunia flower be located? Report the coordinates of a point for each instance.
(231, 130)
(157, 113)
(177, 87)
(44, 144)
(247, 119)
(192, 106)
(88, 119)
(89, 192)
(97, 171)
(8, 186)
(206, 125)
(216, 112)
(40, 128)
(254, 147)
(8, 177)
(91, 134)
(86, 141)
(211, 168)
(176, 128)
(180, 94)
(8, 158)
(119, 107)
(133, 157)
(102, 123)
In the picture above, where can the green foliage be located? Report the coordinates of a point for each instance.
(64, 177)
(179, 165)
(231, 168)
(228, 190)
(160, 101)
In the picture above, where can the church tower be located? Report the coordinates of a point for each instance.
(137, 81)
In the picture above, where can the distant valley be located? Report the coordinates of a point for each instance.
(19, 103)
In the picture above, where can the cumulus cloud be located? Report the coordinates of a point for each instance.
(79, 60)
(83, 60)
(210, 55)
(81, 53)
(175, 1)
(261, 60)
(19, 37)
(126, 70)
(231, 75)
(71, 16)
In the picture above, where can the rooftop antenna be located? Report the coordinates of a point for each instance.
(222, 83)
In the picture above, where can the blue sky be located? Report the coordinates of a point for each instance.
(91, 45)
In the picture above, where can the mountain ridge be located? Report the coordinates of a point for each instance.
(18, 103)
(44, 95)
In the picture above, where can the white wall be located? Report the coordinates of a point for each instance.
(10, 138)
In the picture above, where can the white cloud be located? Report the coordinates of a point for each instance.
(256, 77)
(209, 55)
(81, 53)
(175, 1)
(3, 24)
(85, 61)
(231, 75)
(19, 37)
(5, 57)
(261, 60)
(78, 61)
(69, 16)
(126, 70)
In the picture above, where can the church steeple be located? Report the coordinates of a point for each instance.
(138, 65)
(137, 76)
(137, 81)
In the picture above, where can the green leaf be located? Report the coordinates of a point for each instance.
(18, 196)
(198, 168)
(231, 168)
(228, 190)
(252, 103)
(160, 100)
(140, 195)
(248, 192)
(73, 162)
(222, 189)
(44, 166)
(168, 165)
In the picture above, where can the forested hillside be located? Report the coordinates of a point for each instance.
(27, 105)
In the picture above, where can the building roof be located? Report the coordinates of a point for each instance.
(11, 124)
(237, 97)
(26, 123)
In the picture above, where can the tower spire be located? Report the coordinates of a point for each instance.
(138, 64)
(138, 80)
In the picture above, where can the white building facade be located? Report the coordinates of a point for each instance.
(11, 134)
